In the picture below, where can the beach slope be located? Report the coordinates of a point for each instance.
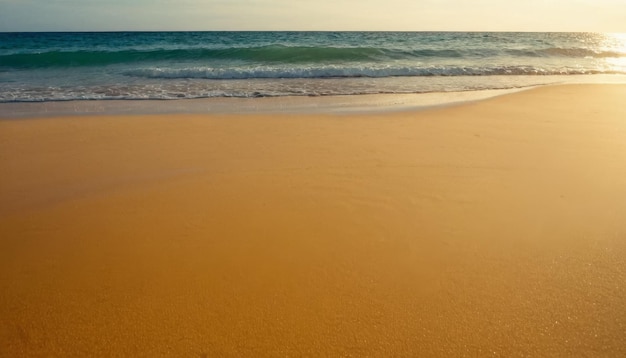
(493, 228)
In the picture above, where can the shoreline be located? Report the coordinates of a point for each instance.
(492, 227)
(355, 103)
(360, 103)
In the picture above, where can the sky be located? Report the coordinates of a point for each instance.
(326, 15)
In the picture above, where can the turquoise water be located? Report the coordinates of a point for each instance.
(170, 65)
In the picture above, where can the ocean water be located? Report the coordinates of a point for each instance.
(36, 67)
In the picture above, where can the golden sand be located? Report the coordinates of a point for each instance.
(496, 228)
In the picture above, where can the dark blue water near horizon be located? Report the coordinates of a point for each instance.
(170, 65)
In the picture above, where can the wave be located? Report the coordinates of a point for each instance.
(572, 52)
(261, 54)
(267, 54)
(349, 72)
(277, 54)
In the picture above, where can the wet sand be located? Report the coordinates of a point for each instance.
(494, 228)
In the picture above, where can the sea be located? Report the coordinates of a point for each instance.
(41, 67)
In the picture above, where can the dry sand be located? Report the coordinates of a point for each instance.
(495, 228)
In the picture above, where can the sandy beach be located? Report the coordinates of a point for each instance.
(491, 228)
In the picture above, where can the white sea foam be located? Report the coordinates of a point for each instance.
(155, 89)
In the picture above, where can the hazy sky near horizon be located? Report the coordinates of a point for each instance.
(376, 15)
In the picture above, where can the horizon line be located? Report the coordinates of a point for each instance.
(303, 31)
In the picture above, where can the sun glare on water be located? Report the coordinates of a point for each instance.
(616, 45)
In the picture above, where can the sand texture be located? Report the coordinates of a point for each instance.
(495, 228)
